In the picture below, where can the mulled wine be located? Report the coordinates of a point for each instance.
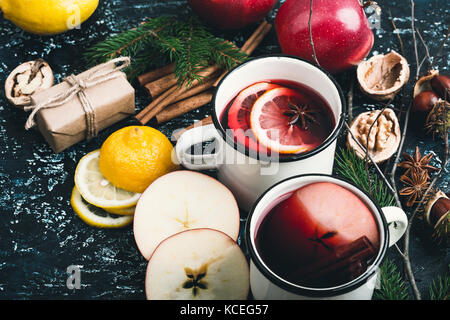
(278, 116)
(321, 235)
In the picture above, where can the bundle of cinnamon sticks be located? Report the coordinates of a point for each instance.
(170, 100)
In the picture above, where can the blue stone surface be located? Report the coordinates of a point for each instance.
(40, 235)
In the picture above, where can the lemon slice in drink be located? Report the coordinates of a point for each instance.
(95, 216)
(98, 191)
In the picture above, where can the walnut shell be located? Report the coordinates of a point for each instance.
(384, 138)
(424, 82)
(26, 79)
(382, 76)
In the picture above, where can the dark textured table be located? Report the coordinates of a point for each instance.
(40, 236)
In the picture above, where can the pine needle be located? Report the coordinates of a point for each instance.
(184, 41)
(440, 288)
(352, 168)
(391, 284)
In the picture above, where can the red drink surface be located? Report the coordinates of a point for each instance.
(309, 225)
(313, 135)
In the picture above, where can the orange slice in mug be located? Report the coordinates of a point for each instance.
(239, 112)
(278, 124)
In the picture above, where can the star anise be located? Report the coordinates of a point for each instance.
(320, 240)
(416, 185)
(300, 113)
(417, 162)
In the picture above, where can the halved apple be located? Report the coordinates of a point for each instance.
(180, 201)
(314, 221)
(198, 264)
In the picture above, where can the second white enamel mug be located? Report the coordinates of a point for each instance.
(267, 285)
(248, 175)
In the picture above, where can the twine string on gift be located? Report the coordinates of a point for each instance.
(99, 74)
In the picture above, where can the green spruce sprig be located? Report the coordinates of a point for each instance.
(391, 283)
(351, 167)
(184, 41)
(440, 288)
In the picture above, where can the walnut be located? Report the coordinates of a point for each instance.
(27, 79)
(382, 140)
(382, 76)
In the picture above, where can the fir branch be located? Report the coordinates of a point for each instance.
(351, 167)
(391, 284)
(440, 288)
(126, 43)
(143, 60)
(194, 53)
(184, 41)
(226, 54)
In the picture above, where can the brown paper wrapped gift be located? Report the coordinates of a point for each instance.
(81, 106)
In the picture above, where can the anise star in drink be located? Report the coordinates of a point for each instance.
(301, 113)
(417, 162)
(320, 240)
(416, 185)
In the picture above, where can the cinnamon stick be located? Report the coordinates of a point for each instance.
(202, 87)
(205, 85)
(171, 95)
(343, 261)
(340, 265)
(155, 88)
(255, 34)
(352, 271)
(179, 108)
(251, 46)
(156, 74)
(208, 120)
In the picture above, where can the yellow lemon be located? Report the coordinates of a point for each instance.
(47, 17)
(133, 157)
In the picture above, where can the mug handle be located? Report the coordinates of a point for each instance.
(192, 137)
(397, 222)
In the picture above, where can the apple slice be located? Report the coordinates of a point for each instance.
(179, 201)
(198, 264)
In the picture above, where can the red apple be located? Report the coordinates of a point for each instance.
(340, 32)
(231, 14)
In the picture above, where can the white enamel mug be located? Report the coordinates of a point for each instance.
(265, 284)
(248, 175)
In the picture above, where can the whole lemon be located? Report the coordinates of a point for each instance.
(47, 17)
(133, 157)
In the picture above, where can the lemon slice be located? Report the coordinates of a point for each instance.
(96, 216)
(125, 211)
(98, 191)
